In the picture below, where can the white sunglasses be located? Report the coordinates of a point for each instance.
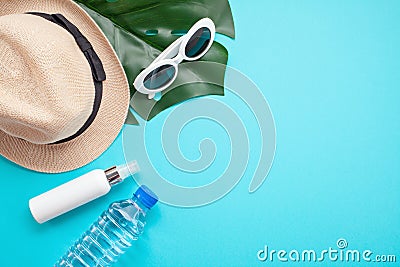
(163, 70)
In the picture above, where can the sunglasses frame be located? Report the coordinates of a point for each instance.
(173, 55)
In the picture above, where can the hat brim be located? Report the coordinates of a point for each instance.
(56, 158)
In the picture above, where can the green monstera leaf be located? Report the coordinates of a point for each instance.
(140, 29)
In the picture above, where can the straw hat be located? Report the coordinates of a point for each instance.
(57, 113)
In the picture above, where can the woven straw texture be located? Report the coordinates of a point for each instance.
(47, 91)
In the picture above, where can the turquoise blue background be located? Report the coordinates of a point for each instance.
(330, 71)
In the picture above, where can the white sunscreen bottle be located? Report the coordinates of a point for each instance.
(79, 191)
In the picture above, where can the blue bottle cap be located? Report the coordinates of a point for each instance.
(146, 196)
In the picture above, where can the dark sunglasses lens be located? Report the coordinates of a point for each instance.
(159, 77)
(198, 43)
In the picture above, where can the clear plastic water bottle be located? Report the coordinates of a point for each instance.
(112, 233)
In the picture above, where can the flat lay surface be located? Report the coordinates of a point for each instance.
(331, 74)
